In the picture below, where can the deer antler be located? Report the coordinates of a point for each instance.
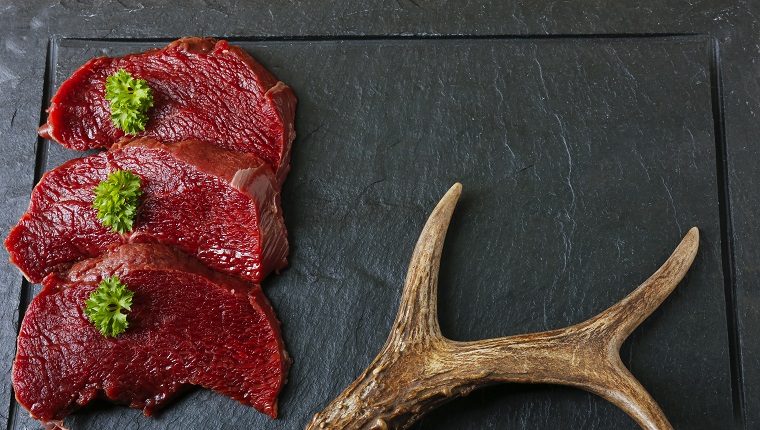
(418, 369)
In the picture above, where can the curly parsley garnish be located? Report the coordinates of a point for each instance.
(105, 305)
(130, 100)
(116, 200)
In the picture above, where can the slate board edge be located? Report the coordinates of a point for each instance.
(26, 290)
(727, 234)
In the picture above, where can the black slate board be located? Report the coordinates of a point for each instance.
(573, 194)
(584, 159)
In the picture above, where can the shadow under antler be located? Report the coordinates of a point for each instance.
(418, 369)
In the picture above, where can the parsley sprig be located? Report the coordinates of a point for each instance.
(130, 100)
(105, 305)
(116, 200)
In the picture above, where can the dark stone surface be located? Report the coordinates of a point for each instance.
(584, 159)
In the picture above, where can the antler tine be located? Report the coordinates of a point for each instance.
(587, 355)
(370, 401)
(417, 317)
(623, 390)
(610, 329)
(622, 318)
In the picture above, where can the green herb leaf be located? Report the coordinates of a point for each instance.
(116, 200)
(105, 305)
(130, 100)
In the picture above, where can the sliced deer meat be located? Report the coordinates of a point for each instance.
(203, 89)
(220, 206)
(188, 325)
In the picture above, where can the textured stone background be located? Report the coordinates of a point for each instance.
(588, 137)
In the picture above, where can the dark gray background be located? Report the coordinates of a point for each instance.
(588, 137)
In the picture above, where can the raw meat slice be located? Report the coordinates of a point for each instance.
(188, 325)
(203, 89)
(220, 206)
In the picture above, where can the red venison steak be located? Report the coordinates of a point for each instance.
(220, 206)
(188, 325)
(202, 88)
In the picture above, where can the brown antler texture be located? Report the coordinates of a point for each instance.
(418, 369)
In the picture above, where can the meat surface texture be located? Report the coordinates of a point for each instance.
(203, 89)
(220, 206)
(188, 325)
